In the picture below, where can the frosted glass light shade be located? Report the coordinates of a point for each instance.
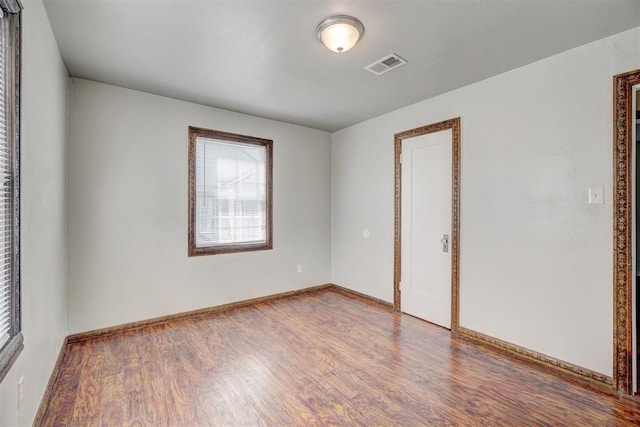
(340, 33)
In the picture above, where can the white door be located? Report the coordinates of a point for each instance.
(425, 225)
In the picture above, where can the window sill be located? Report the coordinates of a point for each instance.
(9, 354)
(228, 249)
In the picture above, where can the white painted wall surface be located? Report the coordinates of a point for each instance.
(44, 221)
(128, 210)
(536, 263)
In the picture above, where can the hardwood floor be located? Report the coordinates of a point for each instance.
(323, 358)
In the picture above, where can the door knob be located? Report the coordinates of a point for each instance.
(445, 243)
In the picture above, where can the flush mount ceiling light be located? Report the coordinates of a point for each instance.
(339, 33)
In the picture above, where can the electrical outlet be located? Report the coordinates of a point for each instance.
(20, 391)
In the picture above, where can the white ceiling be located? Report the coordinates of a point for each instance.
(261, 57)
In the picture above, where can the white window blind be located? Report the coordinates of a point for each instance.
(231, 187)
(6, 198)
(11, 339)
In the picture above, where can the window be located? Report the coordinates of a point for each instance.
(10, 330)
(230, 192)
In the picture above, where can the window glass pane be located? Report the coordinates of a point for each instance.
(10, 329)
(230, 193)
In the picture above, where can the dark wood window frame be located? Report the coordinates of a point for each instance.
(11, 9)
(194, 250)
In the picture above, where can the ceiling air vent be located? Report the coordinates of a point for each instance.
(385, 64)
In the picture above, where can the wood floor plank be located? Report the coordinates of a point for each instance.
(323, 358)
(86, 410)
(112, 408)
(66, 386)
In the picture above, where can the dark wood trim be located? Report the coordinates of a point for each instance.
(196, 132)
(46, 397)
(454, 125)
(533, 356)
(397, 216)
(104, 332)
(623, 119)
(348, 291)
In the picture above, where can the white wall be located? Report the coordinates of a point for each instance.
(536, 263)
(128, 210)
(44, 229)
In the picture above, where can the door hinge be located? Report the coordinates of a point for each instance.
(400, 285)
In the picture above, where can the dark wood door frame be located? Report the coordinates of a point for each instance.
(623, 280)
(454, 125)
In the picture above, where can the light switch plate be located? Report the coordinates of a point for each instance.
(596, 196)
